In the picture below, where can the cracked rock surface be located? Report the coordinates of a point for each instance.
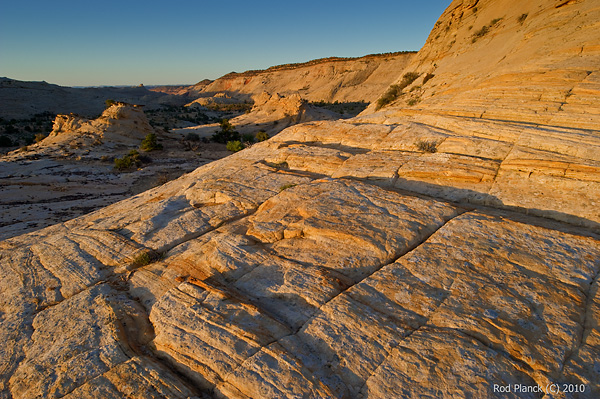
(335, 260)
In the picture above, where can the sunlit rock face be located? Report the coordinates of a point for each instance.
(329, 79)
(415, 251)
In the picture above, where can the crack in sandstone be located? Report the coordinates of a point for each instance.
(586, 310)
(391, 352)
(297, 330)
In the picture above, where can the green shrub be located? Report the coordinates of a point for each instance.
(146, 257)
(109, 103)
(426, 146)
(262, 136)
(485, 29)
(150, 144)
(394, 91)
(226, 134)
(5, 141)
(235, 146)
(286, 186)
(133, 158)
(192, 137)
(123, 163)
(248, 138)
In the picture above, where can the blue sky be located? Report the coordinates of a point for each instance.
(127, 42)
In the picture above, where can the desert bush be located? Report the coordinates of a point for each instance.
(286, 186)
(485, 29)
(133, 158)
(150, 144)
(226, 134)
(5, 141)
(262, 136)
(413, 101)
(146, 257)
(235, 146)
(109, 103)
(522, 18)
(123, 163)
(39, 137)
(394, 91)
(192, 137)
(248, 138)
(426, 146)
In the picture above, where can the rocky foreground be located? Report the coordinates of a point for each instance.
(414, 251)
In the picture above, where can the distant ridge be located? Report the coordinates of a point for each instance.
(285, 67)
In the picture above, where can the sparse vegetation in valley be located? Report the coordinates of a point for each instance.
(23, 131)
(150, 143)
(227, 133)
(132, 159)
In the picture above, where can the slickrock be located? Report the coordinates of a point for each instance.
(414, 251)
(328, 79)
(270, 113)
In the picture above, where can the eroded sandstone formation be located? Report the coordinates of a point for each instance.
(410, 252)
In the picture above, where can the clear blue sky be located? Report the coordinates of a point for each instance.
(127, 42)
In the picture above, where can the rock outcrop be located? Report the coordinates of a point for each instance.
(271, 113)
(71, 172)
(417, 251)
(329, 79)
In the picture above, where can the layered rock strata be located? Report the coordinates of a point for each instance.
(411, 252)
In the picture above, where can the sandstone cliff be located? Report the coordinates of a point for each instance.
(329, 79)
(410, 252)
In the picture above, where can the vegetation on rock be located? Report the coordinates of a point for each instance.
(133, 158)
(426, 146)
(485, 29)
(227, 133)
(235, 146)
(394, 91)
(262, 136)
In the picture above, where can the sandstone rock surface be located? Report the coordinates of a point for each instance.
(270, 113)
(410, 252)
(328, 79)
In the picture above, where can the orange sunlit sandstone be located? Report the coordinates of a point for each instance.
(444, 243)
